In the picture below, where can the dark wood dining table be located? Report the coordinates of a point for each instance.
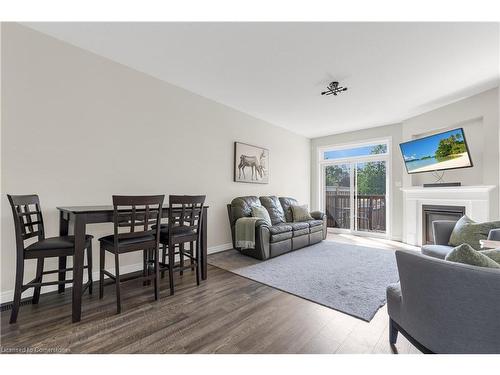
(79, 217)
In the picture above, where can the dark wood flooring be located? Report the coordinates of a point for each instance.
(226, 314)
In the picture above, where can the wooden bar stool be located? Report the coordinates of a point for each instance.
(130, 212)
(184, 226)
(28, 223)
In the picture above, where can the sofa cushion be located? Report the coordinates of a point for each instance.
(242, 207)
(280, 232)
(315, 223)
(468, 231)
(280, 228)
(436, 251)
(299, 229)
(298, 226)
(466, 254)
(273, 206)
(286, 203)
(261, 213)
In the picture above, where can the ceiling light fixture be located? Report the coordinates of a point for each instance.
(333, 88)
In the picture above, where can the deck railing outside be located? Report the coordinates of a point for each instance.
(371, 211)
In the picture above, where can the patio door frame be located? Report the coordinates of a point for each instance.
(352, 162)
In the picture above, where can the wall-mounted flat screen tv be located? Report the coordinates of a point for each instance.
(447, 150)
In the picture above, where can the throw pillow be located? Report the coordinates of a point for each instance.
(492, 254)
(467, 255)
(261, 213)
(301, 213)
(470, 232)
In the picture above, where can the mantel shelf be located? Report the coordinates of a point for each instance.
(471, 188)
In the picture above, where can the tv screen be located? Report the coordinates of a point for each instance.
(447, 150)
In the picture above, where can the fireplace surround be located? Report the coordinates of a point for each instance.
(431, 212)
(475, 199)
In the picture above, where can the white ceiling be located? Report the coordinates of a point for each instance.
(276, 71)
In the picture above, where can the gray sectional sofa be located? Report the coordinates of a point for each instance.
(283, 235)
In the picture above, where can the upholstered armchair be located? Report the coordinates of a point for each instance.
(445, 307)
(441, 232)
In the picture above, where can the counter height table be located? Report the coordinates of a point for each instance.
(79, 217)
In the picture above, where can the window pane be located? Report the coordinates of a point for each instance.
(357, 151)
(371, 196)
(338, 196)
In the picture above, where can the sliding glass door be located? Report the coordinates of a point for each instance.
(370, 196)
(338, 195)
(354, 189)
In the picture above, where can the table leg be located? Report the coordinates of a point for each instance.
(78, 267)
(63, 231)
(204, 245)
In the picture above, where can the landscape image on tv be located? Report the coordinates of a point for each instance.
(447, 150)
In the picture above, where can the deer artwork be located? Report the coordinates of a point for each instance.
(254, 163)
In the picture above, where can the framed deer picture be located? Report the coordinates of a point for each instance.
(251, 163)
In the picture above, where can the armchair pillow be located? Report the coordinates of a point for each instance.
(492, 254)
(467, 255)
(301, 213)
(469, 232)
(261, 213)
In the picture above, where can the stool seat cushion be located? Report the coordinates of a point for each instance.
(53, 243)
(179, 231)
(126, 241)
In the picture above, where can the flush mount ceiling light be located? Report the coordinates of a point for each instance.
(333, 88)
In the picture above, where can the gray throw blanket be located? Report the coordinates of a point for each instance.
(245, 232)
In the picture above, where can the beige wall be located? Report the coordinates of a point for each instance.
(389, 131)
(77, 128)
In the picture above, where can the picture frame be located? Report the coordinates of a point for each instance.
(251, 163)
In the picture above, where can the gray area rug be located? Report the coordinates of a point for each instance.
(348, 278)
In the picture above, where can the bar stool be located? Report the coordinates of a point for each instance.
(130, 212)
(184, 226)
(24, 208)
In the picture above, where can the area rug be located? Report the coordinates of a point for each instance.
(348, 278)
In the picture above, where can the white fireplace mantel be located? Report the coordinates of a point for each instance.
(475, 199)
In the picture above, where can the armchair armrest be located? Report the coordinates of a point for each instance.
(442, 231)
(494, 235)
(317, 215)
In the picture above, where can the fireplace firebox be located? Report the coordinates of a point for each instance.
(435, 212)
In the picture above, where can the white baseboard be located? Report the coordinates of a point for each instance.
(8, 295)
(219, 248)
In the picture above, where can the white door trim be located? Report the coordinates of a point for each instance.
(387, 158)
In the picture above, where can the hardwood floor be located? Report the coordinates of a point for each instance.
(226, 314)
